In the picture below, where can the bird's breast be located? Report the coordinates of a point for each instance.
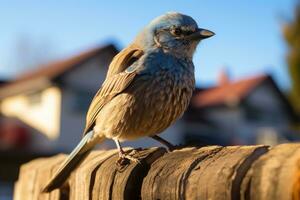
(159, 100)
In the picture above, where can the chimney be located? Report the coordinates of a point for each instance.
(223, 78)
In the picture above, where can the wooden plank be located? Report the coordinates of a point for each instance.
(205, 173)
(168, 174)
(25, 184)
(33, 176)
(275, 175)
(44, 174)
(113, 182)
(214, 172)
(81, 181)
(219, 176)
(128, 182)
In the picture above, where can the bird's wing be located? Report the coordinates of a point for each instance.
(124, 59)
(117, 80)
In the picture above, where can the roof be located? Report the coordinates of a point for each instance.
(229, 93)
(54, 69)
(46, 73)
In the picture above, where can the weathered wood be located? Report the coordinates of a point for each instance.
(93, 179)
(205, 173)
(214, 172)
(128, 179)
(33, 176)
(219, 177)
(275, 175)
(168, 174)
(81, 181)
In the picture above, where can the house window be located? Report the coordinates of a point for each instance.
(34, 98)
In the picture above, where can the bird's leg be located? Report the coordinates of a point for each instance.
(170, 146)
(123, 156)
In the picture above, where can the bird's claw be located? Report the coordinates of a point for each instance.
(131, 158)
(125, 159)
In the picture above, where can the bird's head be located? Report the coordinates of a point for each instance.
(175, 33)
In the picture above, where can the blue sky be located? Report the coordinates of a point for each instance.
(248, 37)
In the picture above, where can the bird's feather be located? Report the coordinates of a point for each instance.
(117, 80)
(124, 59)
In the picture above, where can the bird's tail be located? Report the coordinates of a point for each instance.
(71, 162)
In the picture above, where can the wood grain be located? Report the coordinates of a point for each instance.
(275, 175)
(213, 172)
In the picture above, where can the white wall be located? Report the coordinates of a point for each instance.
(43, 115)
(87, 77)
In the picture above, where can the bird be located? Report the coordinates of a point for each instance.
(148, 86)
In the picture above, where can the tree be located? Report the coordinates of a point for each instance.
(291, 34)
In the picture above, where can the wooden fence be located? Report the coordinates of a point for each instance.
(208, 173)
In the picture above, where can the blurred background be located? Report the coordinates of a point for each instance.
(54, 57)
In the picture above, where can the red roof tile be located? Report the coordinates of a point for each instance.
(230, 93)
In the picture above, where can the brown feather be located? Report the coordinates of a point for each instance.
(124, 59)
(116, 81)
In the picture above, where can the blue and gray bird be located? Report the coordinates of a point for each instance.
(148, 86)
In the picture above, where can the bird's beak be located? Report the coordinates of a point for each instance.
(200, 34)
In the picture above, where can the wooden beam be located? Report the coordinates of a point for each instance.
(213, 172)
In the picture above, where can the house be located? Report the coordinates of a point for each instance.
(248, 111)
(52, 100)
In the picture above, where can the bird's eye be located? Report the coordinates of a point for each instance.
(176, 31)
